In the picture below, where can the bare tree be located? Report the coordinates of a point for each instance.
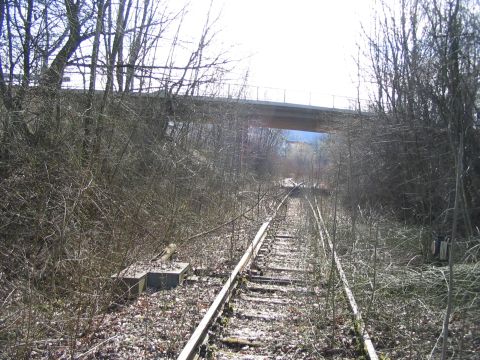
(25, 27)
(418, 156)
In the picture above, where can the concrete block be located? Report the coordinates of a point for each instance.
(167, 275)
(132, 280)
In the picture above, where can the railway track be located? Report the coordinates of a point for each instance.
(262, 310)
(263, 320)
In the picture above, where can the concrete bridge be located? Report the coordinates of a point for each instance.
(284, 115)
(284, 109)
(257, 111)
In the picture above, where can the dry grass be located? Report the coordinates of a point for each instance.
(402, 291)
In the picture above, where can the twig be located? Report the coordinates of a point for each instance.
(95, 347)
(430, 356)
(6, 299)
(228, 222)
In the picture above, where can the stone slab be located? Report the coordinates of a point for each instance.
(161, 276)
(157, 275)
(132, 281)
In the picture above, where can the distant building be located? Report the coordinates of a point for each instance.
(298, 150)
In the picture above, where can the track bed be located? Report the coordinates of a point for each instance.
(265, 318)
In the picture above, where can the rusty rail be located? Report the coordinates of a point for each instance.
(360, 325)
(190, 349)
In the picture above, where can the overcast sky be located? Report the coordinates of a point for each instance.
(306, 45)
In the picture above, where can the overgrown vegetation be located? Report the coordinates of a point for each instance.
(92, 181)
(424, 63)
(408, 176)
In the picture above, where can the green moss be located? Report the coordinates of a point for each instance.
(242, 280)
(228, 309)
(223, 321)
(211, 350)
(359, 347)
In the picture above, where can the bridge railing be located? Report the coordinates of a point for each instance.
(286, 96)
(78, 81)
